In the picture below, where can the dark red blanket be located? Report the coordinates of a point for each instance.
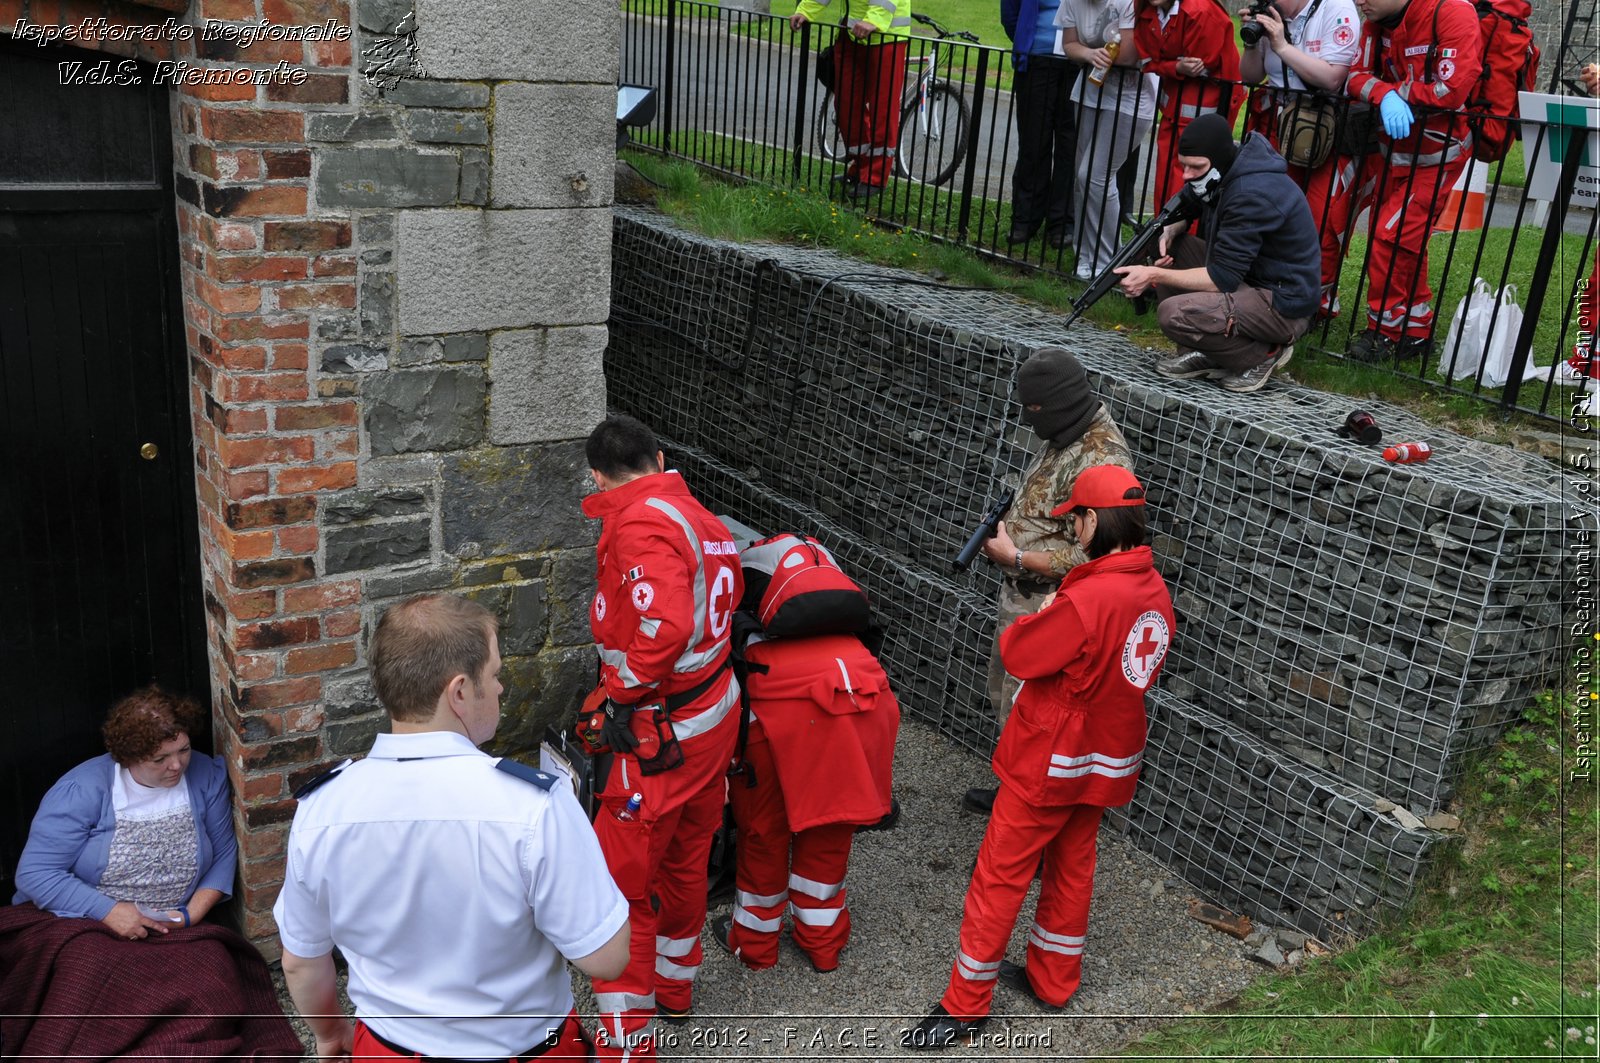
(72, 989)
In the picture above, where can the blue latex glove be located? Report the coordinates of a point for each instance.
(1396, 114)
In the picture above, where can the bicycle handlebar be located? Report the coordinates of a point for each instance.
(943, 33)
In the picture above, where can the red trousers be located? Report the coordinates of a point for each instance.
(1018, 834)
(1169, 175)
(867, 81)
(571, 1044)
(777, 868)
(1406, 202)
(662, 855)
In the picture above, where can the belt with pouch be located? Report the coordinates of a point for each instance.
(1032, 587)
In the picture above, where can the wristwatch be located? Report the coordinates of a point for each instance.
(1020, 569)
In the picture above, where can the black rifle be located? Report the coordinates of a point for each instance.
(986, 530)
(1137, 252)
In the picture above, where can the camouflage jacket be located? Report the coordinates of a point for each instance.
(1047, 483)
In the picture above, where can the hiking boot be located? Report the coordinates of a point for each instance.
(1413, 347)
(1256, 377)
(979, 800)
(1371, 346)
(1186, 365)
(1022, 232)
(1015, 976)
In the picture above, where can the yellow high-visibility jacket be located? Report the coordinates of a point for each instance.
(892, 17)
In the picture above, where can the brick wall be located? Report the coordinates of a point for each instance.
(394, 310)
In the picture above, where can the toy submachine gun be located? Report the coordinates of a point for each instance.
(1136, 252)
(986, 530)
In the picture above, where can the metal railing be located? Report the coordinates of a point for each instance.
(739, 96)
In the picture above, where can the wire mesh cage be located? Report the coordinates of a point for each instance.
(1347, 629)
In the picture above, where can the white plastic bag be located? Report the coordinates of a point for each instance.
(1487, 335)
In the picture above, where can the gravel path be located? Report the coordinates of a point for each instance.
(1146, 959)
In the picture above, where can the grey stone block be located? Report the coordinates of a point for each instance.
(400, 470)
(464, 95)
(541, 691)
(375, 307)
(515, 500)
(521, 609)
(555, 145)
(354, 737)
(377, 256)
(375, 229)
(346, 507)
(519, 40)
(466, 347)
(338, 327)
(474, 177)
(425, 409)
(387, 177)
(406, 583)
(344, 127)
(350, 695)
(464, 270)
(355, 547)
(447, 127)
(354, 358)
(572, 587)
(381, 16)
(546, 384)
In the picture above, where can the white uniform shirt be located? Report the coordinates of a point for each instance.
(453, 889)
(1096, 21)
(1331, 33)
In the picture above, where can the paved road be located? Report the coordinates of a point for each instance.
(745, 89)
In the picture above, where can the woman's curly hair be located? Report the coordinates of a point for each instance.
(139, 723)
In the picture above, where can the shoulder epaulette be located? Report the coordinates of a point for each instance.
(542, 779)
(320, 781)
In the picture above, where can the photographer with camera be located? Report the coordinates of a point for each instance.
(1303, 47)
(1235, 298)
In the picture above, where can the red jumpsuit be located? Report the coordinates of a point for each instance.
(669, 581)
(1072, 747)
(1203, 30)
(869, 77)
(1409, 189)
(821, 746)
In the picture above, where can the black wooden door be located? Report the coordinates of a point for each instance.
(99, 557)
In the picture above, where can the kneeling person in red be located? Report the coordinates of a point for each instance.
(819, 753)
(1072, 747)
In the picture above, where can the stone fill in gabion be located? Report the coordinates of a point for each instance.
(1363, 624)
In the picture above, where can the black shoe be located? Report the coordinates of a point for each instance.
(978, 800)
(939, 1030)
(673, 1018)
(1186, 365)
(1413, 347)
(888, 821)
(722, 931)
(1371, 346)
(862, 191)
(1015, 975)
(1059, 237)
(1022, 232)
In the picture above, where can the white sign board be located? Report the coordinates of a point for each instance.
(1544, 144)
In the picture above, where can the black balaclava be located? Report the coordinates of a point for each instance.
(1055, 381)
(1210, 136)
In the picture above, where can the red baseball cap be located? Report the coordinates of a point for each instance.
(1102, 487)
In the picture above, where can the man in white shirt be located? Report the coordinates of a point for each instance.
(455, 884)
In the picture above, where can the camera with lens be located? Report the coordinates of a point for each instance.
(1250, 32)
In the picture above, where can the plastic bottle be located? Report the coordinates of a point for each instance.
(1408, 453)
(1113, 49)
(631, 812)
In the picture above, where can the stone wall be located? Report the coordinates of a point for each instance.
(1348, 631)
(395, 305)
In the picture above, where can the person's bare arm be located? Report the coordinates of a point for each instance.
(607, 961)
(314, 987)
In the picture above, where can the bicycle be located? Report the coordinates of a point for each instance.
(934, 117)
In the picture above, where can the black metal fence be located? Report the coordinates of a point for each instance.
(739, 94)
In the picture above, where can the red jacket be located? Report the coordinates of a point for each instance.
(1435, 80)
(669, 581)
(1077, 729)
(826, 708)
(1200, 28)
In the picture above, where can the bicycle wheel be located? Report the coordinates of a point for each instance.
(933, 138)
(830, 143)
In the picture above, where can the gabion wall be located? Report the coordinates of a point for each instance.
(1347, 629)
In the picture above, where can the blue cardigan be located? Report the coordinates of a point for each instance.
(70, 840)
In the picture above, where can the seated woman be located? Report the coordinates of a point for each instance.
(128, 854)
(148, 824)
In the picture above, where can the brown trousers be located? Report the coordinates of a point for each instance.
(1236, 330)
